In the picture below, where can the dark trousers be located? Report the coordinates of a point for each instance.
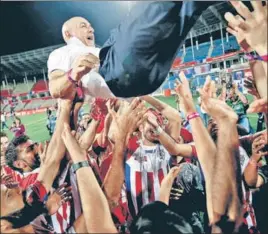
(4, 125)
(138, 55)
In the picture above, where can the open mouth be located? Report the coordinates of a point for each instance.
(90, 38)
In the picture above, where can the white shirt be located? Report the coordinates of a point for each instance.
(3, 118)
(62, 58)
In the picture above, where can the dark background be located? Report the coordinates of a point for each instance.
(32, 25)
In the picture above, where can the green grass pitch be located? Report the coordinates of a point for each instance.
(36, 124)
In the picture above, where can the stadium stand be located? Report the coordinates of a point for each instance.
(40, 86)
(23, 88)
(6, 92)
(49, 103)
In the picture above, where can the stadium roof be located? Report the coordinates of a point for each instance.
(34, 61)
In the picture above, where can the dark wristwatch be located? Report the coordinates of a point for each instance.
(79, 165)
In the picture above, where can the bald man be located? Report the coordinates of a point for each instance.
(76, 64)
(134, 61)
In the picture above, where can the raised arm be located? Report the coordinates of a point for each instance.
(252, 27)
(241, 96)
(94, 203)
(126, 123)
(86, 140)
(202, 139)
(174, 149)
(224, 179)
(173, 116)
(56, 148)
(252, 178)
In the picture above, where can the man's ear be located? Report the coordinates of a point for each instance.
(67, 34)
(19, 164)
(141, 128)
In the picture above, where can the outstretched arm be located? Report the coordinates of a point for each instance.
(95, 206)
(56, 149)
(126, 123)
(86, 140)
(202, 139)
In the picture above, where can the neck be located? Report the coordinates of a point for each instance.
(27, 169)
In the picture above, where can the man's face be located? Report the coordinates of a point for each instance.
(11, 200)
(29, 155)
(86, 118)
(148, 129)
(213, 129)
(4, 144)
(83, 30)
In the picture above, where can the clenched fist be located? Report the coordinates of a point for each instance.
(83, 65)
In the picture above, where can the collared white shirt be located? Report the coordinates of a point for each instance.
(62, 58)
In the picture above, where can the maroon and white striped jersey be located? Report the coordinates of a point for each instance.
(145, 168)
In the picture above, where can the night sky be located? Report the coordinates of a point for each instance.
(31, 25)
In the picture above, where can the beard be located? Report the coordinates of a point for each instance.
(36, 163)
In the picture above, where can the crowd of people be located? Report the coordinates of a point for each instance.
(142, 166)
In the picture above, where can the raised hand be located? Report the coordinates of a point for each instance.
(83, 65)
(76, 153)
(128, 118)
(233, 23)
(250, 85)
(254, 27)
(258, 106)
(9, 181)
(257, 146)
(59, 197)
(217, 109)
(183, 90)
(166, 185)
(42, 151)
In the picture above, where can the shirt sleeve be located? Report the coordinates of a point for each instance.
(58, 60)
(263, 172)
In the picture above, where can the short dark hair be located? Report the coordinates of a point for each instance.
(17, 118)
(12, 153)
(3, 134)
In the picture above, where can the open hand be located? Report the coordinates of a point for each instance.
(9, 181)
(60, 196)
(254, 27)
(183, 90)
(257, 146)
(83, 65)
(258, 106)
(217, 109)
(166, 184)
(128, 118)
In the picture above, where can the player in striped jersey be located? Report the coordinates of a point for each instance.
(147, 161)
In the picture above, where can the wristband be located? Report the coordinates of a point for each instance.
(264, 58)
(192, 116)
(255, 56)
(158, 130)
(79, 165)
(70, 78)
